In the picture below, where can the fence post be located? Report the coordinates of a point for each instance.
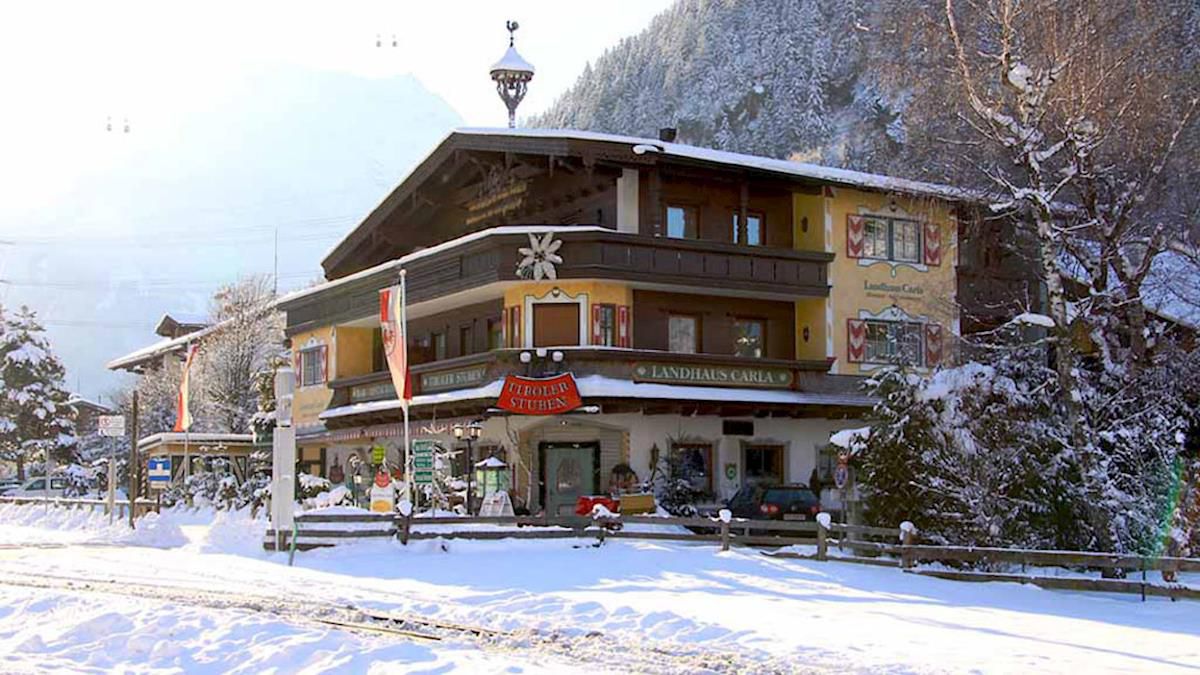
(822, 536)
(908, 537)
(725, 516)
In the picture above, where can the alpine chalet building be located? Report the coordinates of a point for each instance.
(663, 300)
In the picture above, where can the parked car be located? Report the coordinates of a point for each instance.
(7, 485)
(775, 502)
(36, 487)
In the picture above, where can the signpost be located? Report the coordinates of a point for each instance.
(112, 426)
(422, 461)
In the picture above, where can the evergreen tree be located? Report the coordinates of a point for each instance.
(35, 420)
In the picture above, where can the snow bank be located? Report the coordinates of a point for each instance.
(851, 439)
(1033, 319)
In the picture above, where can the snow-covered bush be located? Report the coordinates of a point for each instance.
(983, 454)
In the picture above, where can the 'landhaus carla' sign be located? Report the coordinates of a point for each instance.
(545, 396)
(713, 376)
(444, 380)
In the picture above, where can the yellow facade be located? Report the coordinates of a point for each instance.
(309, 402)
(863, 288)
(355, 351)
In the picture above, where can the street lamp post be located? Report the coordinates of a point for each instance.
(469, 433)
(512, 74)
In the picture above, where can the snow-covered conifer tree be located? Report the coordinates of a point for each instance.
(35, 420)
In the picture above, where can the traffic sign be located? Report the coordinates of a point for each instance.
(111, 425)
(158, 472)
(841, 473)
(423, 476)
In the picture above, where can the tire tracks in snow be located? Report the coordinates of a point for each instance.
(593, 647)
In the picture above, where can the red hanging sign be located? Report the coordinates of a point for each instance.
(545, 396)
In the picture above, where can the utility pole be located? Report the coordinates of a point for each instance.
(134, 466)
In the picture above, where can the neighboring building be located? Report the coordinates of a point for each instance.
(718, 306)
(177, 332)
(86, 412)
(202, 449)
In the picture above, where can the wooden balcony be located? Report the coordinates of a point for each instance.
(589, 253)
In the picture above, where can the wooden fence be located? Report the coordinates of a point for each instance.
(141, 506)
(889, 547)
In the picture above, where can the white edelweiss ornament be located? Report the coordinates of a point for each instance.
(539, 258)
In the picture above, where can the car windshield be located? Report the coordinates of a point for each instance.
(39, 484)
(745, 497)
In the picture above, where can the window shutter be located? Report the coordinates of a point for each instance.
(514, 324)
(596, 313)
(624, 338)
(933, 244)
(855, 230)
(324, 362)
(296, 367)
(933, 344)
(856, 340)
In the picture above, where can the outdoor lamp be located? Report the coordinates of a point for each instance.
(458, 431)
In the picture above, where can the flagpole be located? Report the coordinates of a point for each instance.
(408, 464)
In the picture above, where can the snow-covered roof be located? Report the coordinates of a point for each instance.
(166, 345)
(159, 348)
(599, 386)
(179, 319)
(846, 177)
(195, 438)
(640, 146)
(512, 61)
(79, 401)
(400, 262)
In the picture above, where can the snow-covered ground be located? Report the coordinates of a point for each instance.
(629, 605)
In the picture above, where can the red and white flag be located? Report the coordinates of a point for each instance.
(183, 412)
(395, 339)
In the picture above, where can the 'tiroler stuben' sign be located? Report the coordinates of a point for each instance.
(544, 396)
(713, 376)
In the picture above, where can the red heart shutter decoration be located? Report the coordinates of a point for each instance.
(623, 332)
(856, 340)
(933, 244)
(933, 344)
(855, 231)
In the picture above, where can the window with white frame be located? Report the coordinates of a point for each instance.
(897, 239)
(890, 341)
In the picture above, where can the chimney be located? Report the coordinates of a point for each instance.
(667, 134)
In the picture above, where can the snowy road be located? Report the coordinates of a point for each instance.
(629, 606)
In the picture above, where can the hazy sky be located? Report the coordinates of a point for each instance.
(179, 72)
(66, 67)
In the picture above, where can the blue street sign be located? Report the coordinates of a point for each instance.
(158, 472)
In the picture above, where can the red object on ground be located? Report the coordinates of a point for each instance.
(583, 507)
(544, 396)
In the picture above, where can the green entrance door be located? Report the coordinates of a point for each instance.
(569, 472)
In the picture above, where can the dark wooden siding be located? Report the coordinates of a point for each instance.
(651, 310)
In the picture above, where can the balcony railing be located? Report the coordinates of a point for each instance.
(589, 253)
